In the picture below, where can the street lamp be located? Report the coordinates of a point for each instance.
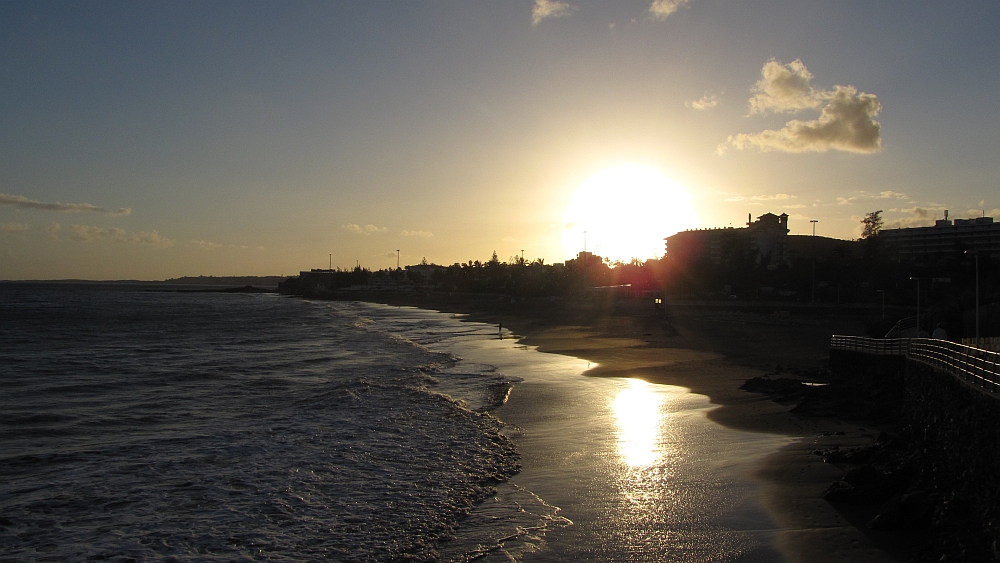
(976, 256)
(397, 258)
(522, 256)
(814, 221)
(918, 304)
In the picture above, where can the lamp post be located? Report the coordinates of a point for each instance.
(918, 304)
(814, 221)
(397, 258)
(522, 256)
(882, 291)
(976, 256)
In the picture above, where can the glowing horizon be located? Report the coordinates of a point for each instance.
(626, 211)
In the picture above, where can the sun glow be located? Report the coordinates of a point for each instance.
(638, 410)
(626, 212)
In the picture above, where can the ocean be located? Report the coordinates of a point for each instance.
(139, 425)
(142, 425)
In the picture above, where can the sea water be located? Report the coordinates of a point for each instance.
(165, 426)
(138, 425)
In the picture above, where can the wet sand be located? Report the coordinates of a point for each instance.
(792, 480)
(710, 352)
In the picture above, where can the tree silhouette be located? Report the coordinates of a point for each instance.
(872, 224)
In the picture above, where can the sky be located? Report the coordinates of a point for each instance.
(150, 140)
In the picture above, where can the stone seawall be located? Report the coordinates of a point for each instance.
(946, 461)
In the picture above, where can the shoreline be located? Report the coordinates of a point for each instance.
(712, 355)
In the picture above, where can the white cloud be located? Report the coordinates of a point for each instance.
(25, 203)
(13, 228)
(763, 197)
(918, 217)
(661, 9)
(53, 230)
(973, 213)
(88, 233)
(550, 9)
(406, 233)
(205, 244)
(846, 122)
(784, 88)
(708, 101)
(209, 245)
(868, 196)
(365, 230)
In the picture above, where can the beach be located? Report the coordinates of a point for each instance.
(710, 352)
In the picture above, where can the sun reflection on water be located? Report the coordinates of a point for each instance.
(638, 409)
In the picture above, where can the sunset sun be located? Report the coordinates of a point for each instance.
(625, 212)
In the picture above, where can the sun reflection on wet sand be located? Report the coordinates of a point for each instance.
(639, 413)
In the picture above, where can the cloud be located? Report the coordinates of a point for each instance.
(764, 197)
(209, 245)
(784, 88)
(918, 217)
(406, 233)
(708, 101)
(867, 196)
(13, 228)
(25, 203)
(53, 230)
(973, 213)
(550, 9)
(661, 9)
(205, 244)
(846, 122)
(88, 233)
(365, 230)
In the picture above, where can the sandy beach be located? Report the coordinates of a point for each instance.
(711, 353)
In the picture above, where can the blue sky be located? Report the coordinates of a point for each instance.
(159, 139)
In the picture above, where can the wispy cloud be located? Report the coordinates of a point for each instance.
(24, 203)
(995, 212)
(846, 122)
(869, 196)
(53, 231)
(708, 101)
(208, 245)
(917, 217)
(13, 228)
(368, 229)
(661, 9)
(762, 197)
(88, 233)
(550, 9)
(406, 233)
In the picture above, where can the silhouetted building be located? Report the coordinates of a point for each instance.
(979, 235)
(766, 239)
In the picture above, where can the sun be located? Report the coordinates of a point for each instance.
(625, 212)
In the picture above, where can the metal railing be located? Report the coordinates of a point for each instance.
(979, 368)
(874, 346)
